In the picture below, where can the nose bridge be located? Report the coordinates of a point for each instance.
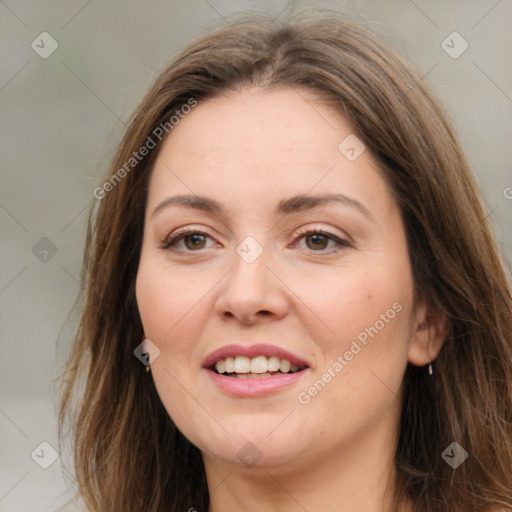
(249, 250)
(249, 276)
(251, 287)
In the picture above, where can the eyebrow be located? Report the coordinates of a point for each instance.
(285, 207)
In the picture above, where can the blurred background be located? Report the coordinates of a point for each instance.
(71, 72)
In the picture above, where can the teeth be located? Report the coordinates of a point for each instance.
(273, 364)
(259, 366)
(242, 364)
(221, 366)
(285, 366)
(229, 365)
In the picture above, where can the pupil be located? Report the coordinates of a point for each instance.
(194, 237)
(316, 236)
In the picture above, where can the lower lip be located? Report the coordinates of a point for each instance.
(255, 387)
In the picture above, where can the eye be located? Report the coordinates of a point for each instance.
(320, 239)
(195, 238)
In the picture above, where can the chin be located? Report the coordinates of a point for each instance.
(255, 456)
(254, 448)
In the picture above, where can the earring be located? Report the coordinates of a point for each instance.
(147, 369)
(430, 370)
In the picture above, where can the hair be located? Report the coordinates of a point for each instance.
(128, 454)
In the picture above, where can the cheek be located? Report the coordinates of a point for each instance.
(165, 310)
(166, 301)
(166, 314)
(174, 307)
(362, 328)
(352, 302)
(359, 378)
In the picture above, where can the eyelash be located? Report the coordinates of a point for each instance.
(173, 239)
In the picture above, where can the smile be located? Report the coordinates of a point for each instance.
(255, 368)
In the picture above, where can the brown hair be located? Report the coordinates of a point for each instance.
(129, 456)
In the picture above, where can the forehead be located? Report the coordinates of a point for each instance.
(255, 119)
(258, 144)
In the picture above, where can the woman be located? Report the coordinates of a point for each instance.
(291, 240)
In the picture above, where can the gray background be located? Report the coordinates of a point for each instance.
(61, 118)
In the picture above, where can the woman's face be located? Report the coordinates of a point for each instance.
(338, 304)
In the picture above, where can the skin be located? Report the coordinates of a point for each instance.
(249, 150)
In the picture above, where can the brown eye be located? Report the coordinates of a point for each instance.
(193, 241)
(196, 241)
(319, 241)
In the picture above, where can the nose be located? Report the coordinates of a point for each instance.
(252, 292)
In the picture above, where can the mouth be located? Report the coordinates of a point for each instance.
(255, 370)
(259, 367)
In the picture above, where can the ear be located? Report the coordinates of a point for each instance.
(429, 331)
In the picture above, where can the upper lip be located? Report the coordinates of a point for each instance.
(252, 351)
